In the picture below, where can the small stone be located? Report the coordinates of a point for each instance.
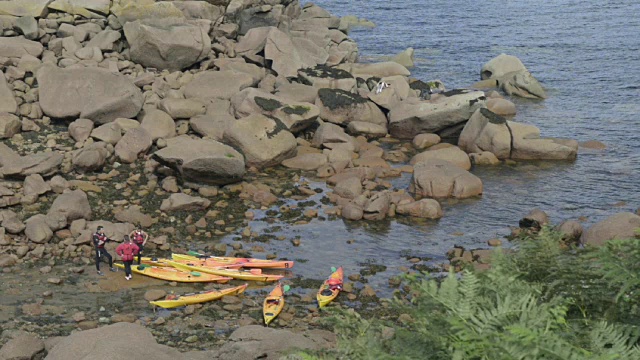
(155, 294)
(45, 269)
(104, 320)
(55, 281)
(414, 260)
(159, 321)
(47, 293)
(249, 215)
(79, 316)
(311, 213)
(494, 242)
(355, 277)
(191, 339)
(367, 291)
(295, 242)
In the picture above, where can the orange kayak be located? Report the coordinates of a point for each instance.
(204, 296)
(253, 275)
(172, 274)
(246, 262)
(330, 288)
(273, 304)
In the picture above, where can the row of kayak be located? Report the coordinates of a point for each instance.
(195, 267)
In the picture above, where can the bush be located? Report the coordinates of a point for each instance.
(542, 301)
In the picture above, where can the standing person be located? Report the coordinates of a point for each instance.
(127, 251)
(99, 239)
(140, 239)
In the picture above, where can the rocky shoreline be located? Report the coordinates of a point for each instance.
(189, 118)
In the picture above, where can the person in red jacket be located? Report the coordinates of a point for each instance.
(139, 238)
(127, 251)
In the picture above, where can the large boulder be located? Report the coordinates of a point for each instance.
(436, 178)
(202, 161)
(81, 129)
(487, 131)
(8, 102)
(161, 13)
(171, 46)
(321, 77)
(513, 77)
(82, 7)
(116, 341)
(619, 226)
(263, 141)
(134, 143)
(296, 116)
(212, 126)
(35, 185)
(377, 207)
(110, 133)
(73, 204)
(201, 10)
(342, 107)
(288, 55)
(91, 93)
(209, 85)
(240, 65)
(391, 96)
(328, 133)
(452, 154)
(454, 107)
(297, 92)
(17, 47)
(184, 202)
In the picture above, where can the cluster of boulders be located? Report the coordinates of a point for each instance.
(203, 91)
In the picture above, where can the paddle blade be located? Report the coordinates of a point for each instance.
(286, 288)
(333, 269)
(195, 273)
(194, 253)
(143, 266)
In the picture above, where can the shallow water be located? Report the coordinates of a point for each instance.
(586, 56)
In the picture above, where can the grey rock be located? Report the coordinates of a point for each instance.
(436, 178)
(74, 205)
(9, 125)
(37, 229)
(91, 158)
(184, 202)
(22, 347)
(134, 143)
(158, 124)
(110, 133)
(80, 129)
(16, 47)
(8, 102)
(210, 85)
(617, 226)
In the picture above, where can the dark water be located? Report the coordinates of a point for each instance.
(586, 54)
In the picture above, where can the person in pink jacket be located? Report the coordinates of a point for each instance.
(127, 251)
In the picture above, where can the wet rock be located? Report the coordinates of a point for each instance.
(80, 129)
(153, 295)
(571, 231)
(441, 179)
(202, 161)
(23, 346)
(263, 141)
(184, 202)
(367, 291)
(451, 154)
(423, 141)
(535, 219)
(349, 188)
(494, 242)
(134, 143)
(593, 144)
(74, 205)
(424, 208)
(311, 161)
(484, 158)
(618, 226)
(378, 206)
(352, 211)
(90, 93)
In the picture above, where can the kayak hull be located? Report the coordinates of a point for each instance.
(273, 304)
(172, 274)
(325, 293)
(232, 273)
(164, 262)
(199, 298)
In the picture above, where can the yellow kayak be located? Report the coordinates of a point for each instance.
(172, 274)
(245, 262)
(164, 262)
(205, 296)
(252, 275)
(330, 288)
(273, 304)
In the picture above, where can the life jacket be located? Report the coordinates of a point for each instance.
(97, 237)
(138, 238)
(127, 251)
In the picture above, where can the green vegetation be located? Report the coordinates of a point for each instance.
(545, 300)
(323, 71)
(296, 109)
(335, 98)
